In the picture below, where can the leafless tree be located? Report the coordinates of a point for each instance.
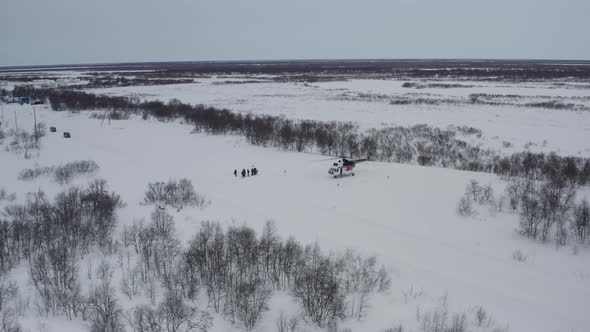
(248, 302)
(172, 315)
(286, 324)
(581, 221)
(8, 290)
(318, 289)
(105, 313)
(465, 207)
(361, 277)
(55, 277)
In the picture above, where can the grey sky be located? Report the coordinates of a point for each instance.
(89, 31)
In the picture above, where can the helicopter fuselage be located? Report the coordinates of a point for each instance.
(342, 167)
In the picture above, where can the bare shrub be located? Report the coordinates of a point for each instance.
(174, 193)
(117, 115)
(581, 222)
(21, 304)
(514, 192)
(21, 141)
(487, 195)
(575, 250)
(465, 207)
(500, 203)
(41, 129)
(478, 193)
(481, 317)
(29, 174)
(110, 115)
(500, 329)
(473, 190)
(395, 328)
(104, 271)
(436, 320)
(494, 207)
(9, 321)
(411, 294)
(519, 256)
(5, 196)
(458, 323)
(360, 278)
(65, 173)
(62, 174)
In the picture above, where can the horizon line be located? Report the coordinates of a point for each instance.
(301, 60)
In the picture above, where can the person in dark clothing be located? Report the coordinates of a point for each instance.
(248, 171)
(243, 173)
(252, 171)
(235, 172)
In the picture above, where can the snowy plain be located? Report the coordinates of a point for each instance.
(403, 214)
(368, 103)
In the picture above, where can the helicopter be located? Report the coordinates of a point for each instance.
(344, 167)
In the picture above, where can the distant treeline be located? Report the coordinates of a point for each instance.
(419, 144)
(111, 81)
(488, 70)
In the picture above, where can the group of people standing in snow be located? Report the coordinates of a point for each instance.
(247, 172)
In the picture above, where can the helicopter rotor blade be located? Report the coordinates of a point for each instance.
(327, 159)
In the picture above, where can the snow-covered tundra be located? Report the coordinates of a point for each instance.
(476, 272)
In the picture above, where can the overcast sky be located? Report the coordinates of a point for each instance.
(96, 31)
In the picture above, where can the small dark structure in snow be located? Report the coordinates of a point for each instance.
(52, 129)
(24, 100)
(67, 134)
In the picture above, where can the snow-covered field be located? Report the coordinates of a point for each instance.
(403, 214)
(369, 103)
